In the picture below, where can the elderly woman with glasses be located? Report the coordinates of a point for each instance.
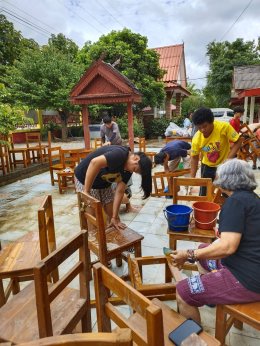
(112, 164)
(229, 267)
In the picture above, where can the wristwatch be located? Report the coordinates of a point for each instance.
(191, 257)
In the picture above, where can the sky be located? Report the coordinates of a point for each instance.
(164, 22)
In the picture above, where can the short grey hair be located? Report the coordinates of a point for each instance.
(235, 175)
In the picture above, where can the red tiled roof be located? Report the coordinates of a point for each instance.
(170, 59)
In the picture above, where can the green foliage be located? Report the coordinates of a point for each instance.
(11, 116)
(123, 127)
(50, 126)
(223, 56)
(76, 131)
(43, 79)
(156, 127)
(64, 45)
(137, 62)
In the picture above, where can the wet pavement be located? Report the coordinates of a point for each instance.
(19, 202)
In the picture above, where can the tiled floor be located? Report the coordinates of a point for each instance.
(18, 214)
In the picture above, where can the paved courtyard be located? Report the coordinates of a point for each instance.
(18, 215)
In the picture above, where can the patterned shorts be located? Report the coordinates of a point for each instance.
(219, 286)
(105, 196)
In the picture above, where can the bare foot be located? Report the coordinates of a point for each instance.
(132, 208)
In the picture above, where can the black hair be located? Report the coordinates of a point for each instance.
(239, 109)
(159, 158)
(146, 173)
(107, 119)
(202, 115)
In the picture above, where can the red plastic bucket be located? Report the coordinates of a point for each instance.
(205, 214)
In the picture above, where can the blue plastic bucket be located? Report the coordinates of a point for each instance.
(178, 217)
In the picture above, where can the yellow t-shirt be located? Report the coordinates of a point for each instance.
(216, 147)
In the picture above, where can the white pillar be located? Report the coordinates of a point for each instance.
(245, 109)
(252, 108)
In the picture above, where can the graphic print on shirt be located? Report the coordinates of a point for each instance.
(212, 150)
(112, 177)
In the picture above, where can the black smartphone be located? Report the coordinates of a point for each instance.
(184, 330)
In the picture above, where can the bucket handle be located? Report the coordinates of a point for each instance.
(191, 218)
(206, 223)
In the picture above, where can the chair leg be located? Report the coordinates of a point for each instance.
(238, 324)
(2, 294)
(221, 324)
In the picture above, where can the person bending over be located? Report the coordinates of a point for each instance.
(211, 141)
(112, 164)
(109, 132)
(171, 155)
(229, 267)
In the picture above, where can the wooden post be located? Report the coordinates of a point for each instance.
(130, 126)
(85, 123)
(252, 108)
(245, 109)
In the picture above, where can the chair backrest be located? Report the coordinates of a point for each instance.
(97, 143)
(177, 182)
(120, 337)
(91, 218)
(54, 155)
(4, 159)
(105, 281)
(47, 231)
(142, 144)
(70, 157)
(33, 137)
(46, 294)
(161, 180)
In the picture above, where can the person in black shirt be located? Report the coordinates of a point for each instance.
(112, 164)
(231, 264)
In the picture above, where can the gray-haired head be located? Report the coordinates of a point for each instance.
(235, 175)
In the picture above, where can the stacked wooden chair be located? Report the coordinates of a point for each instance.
(4, 159)
(45, 309)
(250, 147)
(17, 259)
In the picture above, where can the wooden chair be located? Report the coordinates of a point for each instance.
(55, 162)
(162, 179)
(121, 337)
(17, 155)
(242, 313)
(110, 243)
(193, 234)
(250, 147)
(4, 159)
(35, 147)
(163, 291)
(42, 309)
(150, 321)
(97, 143)
(17, 259)
(142, 148)
(69, 160)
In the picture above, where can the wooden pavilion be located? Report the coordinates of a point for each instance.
(103, 84)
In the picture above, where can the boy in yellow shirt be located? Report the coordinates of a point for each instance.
(212, 142)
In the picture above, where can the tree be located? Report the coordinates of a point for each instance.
(12, 44)
(135, 61)
(223, 56)
(10, 116)
(43, 79)
(64, 45)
